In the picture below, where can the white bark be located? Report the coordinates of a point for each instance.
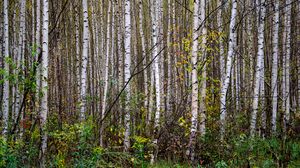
(38, 25)
(194, 60)
(262, 98)
(37, 44)
(250, 47)
(225, 84)
(121, 51)
(151, 90)
(275, 66)
(287, 56)
(262, 76)
(202, 109)
(283, 75)
(96, 56)
(120, 48)
(77, 61)
(108, 57)
(259, 68)
(155, 15)
(84, 60)
(5, 102)
(127, 73)
(169, 62)
(44, 81)
(15, 57)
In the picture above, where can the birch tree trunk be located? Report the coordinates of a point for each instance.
(108, 57)
(225, 84)
(259, 68)
(287, 56)
(262, 100)
(169, 62)
(262, 76)
(151, 89)
(250, 49)
(121, 54)
(143, 55)
(127, 73)
(84, 60)
(274, 85)
(15, 58)
(283, 75)
(44, 81)
(95, 58)
(155, 14)
(5, 101)
(155, 28)
(37, 44)
(203, 71)
(194, 107)
(77, 62)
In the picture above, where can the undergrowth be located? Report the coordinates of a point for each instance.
(75, 146)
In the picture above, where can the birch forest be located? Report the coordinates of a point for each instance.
(150, 83)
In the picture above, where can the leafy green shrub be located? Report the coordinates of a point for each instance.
(140, 143)
(9, 153)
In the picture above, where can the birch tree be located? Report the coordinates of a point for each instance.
(127, 73)
(225, 83)
(258, 80)
(286, 68)
(155, 15)
(169, 62)
(203, 71)
(77, 62)
(84, 60)
(275, 66)
(120, 36)
(44, 81)
(250, 49)
(108, 57)
(166, 57)
(5, 102)
(141, 30)
(38, 41)
(194, 60)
